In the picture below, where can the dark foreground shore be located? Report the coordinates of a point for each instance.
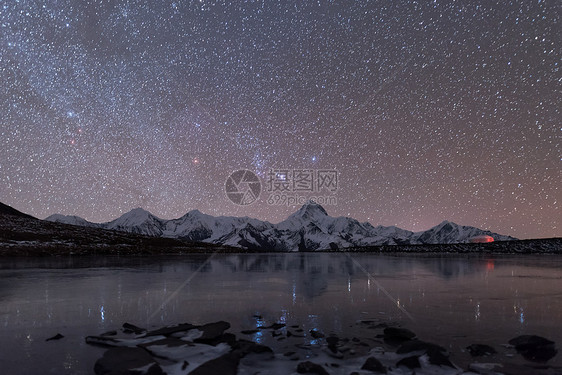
(383, 349)
(536, 246)
(123, 245)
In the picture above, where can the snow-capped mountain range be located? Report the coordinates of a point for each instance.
(309, 228)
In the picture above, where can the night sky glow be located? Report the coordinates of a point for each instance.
(429, 110)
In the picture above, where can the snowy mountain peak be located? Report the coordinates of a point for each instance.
(310, 210)
(446, 225)
(136, 212)
(134, 217)
(71, 219)
(137, 220)
(194, 213)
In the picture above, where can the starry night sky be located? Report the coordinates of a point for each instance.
(428, 110)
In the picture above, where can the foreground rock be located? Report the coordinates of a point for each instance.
(311, 368)
(478, 350)
(436, 354)
(208, 349)
(227, 364)
(396, 336)
(58, 336)
(125, 360)
(534, 348)
(374, 365)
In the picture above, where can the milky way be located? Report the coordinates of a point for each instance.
(428, 110)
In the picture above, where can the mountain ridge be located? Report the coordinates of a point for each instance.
(8, 210)
(309, 228)
(24, 235)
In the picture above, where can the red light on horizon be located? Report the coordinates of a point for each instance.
(482, 239)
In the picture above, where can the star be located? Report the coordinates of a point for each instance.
(428, 111)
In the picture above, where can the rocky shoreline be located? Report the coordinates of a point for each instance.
(535, 246)
(149, 246)
(210, 349)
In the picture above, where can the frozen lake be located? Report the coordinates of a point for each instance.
(451, 300)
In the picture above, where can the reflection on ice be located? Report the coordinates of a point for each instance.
(477, 312)
(453, 299)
